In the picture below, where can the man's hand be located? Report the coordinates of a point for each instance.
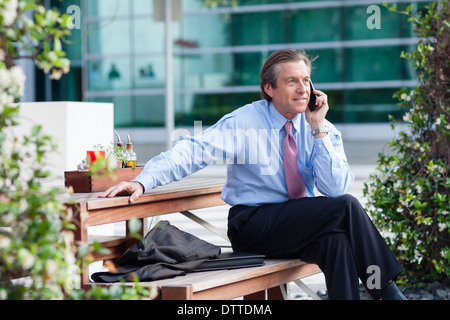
(134, 188)
(316, 119)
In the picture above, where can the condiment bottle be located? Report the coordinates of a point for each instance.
(119, 142)
(121, 155)
(130, 155)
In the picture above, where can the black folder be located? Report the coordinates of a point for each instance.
(232, 260)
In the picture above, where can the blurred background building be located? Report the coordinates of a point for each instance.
(118, 55)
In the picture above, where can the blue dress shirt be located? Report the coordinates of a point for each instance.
(250, 140)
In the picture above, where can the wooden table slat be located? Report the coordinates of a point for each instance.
(181, 189)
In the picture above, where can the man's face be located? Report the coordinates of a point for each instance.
(292, 91)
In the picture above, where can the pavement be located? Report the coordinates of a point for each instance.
(218, 217)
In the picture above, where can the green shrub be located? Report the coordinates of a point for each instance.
(38, 257)
(408, 195)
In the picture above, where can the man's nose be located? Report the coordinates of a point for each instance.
(302, 87)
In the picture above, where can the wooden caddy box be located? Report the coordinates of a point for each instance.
(85, 181)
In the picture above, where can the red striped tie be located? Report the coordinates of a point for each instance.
(294, 180)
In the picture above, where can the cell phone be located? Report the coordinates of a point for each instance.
(312, 98)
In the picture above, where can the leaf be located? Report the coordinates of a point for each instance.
(36, 130)
(57, 45)
(134, 225)
(66, 20)
(27, 5)
(83, 250)
(408, 8)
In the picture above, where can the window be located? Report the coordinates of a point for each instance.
(373, 63)
(218, 55)
(309, 26)
(258, 28)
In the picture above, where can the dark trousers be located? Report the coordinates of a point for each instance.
(334, 233)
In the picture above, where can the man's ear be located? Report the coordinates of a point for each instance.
(268, 89)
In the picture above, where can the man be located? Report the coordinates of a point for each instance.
(277, 151)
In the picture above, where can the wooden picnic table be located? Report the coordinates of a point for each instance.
(182, 196)
(188, 194)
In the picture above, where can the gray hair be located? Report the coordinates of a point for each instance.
(270, 69)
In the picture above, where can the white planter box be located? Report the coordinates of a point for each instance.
(75, 127)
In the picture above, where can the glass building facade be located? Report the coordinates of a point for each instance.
(118, 56)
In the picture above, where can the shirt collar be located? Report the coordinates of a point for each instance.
(279, 120)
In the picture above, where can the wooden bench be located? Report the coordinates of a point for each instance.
(189, 194)
(254, 283)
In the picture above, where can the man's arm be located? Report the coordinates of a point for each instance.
(188, 155)
(330, 168)
(332, 174)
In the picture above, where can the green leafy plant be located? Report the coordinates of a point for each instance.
(408, 195)
(38, 257)
(113, 154)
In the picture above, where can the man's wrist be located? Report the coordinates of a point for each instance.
(319, 130)
(320, 135)
(139, 184)
(317, 125)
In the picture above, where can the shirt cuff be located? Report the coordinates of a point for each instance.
(147, 181)
(323, 146)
